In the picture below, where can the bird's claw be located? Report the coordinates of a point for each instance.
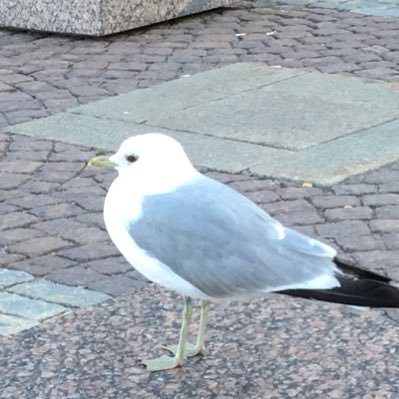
(162, 363)
(190, 351)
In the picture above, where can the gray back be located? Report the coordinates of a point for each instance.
(224, 244)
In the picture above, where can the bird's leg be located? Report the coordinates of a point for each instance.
(199, 347)
(168, 362)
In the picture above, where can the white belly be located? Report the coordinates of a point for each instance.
(118, 215)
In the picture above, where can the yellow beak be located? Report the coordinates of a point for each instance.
(101, 160)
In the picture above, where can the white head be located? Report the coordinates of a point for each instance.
(153, 158)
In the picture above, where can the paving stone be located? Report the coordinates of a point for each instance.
(263, 196)
(73, 156)
(391, 241)
(6, 208)
(60, 294)
(11, 277)
(6, 259)
(380, 199)
(64, 210)
(25, 115)
(388, 212)
(290, 193)
(76, 275)
(355, 189)
(13, 236)
(16, 219)
(35, 186)
(92, 219)
(12, 193)
(117, 285)
(243, 185)
(92, 204)
(286, 207)
(12, 324)
(39, 246)
(23, 156)
(19, 166)
(42, 265)
(308, 230)
(9, 181)
(391, 187)
(342, 229)
(109, 266)
(22, 306)
(359, 212)
(29, 201)
(73, 231)
(60, 171)
(326, 202)
(380, 176)
(90, 251)
(74, 186)
(384, 226)
(22, 143)
(300, 218)
(360, 243)
(387, 260)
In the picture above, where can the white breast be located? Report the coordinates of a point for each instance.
(122, 208)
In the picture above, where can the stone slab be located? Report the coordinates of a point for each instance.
(97, 17)
(11, 277)
(225, 155)
(160, 101)
(271, 122)
(332, 162)
(13, 324)
(60, 294)
(22, 306)
(293, 114)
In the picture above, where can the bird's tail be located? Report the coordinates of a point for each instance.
(359, 287)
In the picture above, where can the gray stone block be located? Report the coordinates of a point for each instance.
(11, 277)
(28, 308)
(14, 324)
(272, 122)
(60, 294)
(96, 17)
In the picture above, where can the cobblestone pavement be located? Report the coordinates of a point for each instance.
(42, 74)
(25, 301)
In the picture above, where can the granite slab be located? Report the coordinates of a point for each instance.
(272, 122)
(96, 17)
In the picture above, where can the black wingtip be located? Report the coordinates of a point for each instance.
(359, 287)
(349, 268)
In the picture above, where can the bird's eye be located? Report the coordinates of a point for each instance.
(131, 158)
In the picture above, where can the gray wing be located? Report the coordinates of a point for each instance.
(224, 244)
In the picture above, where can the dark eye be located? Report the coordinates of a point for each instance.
(131, 158)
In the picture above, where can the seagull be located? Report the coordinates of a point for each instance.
(198, 237)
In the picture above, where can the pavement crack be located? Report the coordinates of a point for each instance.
(247, 90)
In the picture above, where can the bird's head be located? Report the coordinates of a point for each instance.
(149, 156)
